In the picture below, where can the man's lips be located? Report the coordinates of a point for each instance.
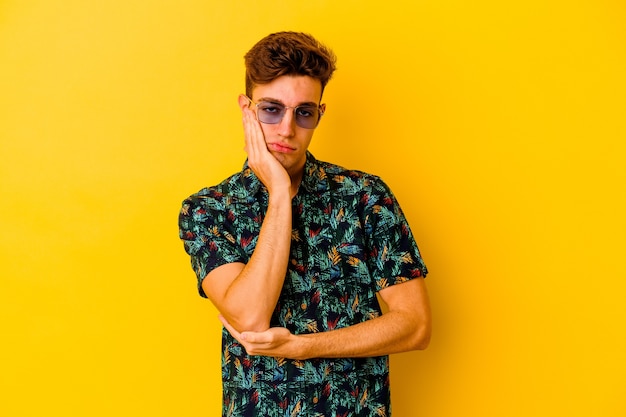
(277, 147)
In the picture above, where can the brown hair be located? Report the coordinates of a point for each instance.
(288, 53)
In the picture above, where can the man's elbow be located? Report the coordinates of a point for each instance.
(422, 342)
(421, 337)
(249, 323)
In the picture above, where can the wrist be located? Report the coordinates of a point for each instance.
(279, 195)
(303, 346)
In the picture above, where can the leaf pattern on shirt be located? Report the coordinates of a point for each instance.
(350, 239)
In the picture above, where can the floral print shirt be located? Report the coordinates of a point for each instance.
(349, 240)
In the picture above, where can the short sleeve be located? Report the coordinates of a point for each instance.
(201, 228)
(394, 256)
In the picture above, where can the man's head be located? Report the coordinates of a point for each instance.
(286, 74)
(288, 53)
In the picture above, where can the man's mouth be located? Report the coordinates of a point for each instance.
(277, 147)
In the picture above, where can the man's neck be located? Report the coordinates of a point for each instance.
(295, 182)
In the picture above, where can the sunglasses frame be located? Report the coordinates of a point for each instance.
(284, 111)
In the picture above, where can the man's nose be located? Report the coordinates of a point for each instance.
(287, 126)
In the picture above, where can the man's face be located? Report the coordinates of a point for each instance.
(286, 140)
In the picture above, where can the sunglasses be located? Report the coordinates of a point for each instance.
(270, 112)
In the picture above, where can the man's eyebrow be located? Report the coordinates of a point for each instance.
(277, 101)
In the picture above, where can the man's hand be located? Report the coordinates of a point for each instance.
(275, 341)
(266, 167)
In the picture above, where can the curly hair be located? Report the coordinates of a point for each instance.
(288, 53)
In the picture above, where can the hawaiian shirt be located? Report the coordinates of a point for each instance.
(349, 240)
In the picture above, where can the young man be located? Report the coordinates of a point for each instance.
(293, 251)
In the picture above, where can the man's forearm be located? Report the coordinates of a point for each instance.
(393, 332)
(250, 299)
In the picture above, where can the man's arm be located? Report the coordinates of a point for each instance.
(246, 294)
(406, 326)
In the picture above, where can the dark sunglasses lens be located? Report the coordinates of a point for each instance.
(307, 117)
(270, 113)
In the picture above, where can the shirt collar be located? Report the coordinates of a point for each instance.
(314, 179)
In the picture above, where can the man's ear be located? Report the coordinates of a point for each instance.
(323, 108)
(244, 102)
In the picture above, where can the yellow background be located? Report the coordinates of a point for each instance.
(499, 125)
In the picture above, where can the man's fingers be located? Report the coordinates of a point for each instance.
(258, 338)
(255, 142)
(270, 342)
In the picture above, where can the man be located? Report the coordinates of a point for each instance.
(293, 252)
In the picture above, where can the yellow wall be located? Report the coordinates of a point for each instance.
(499, 125)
